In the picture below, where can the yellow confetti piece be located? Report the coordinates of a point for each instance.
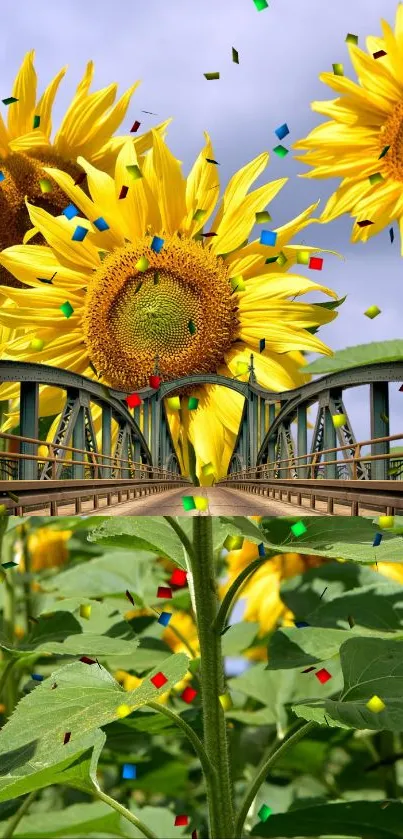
(142, 264)
(339, 420)
(37, 344)
(242, 367)
(123, 711)
(85, 611)
(208, 469)
(238, 283)
(226, 701)
(201, 502)
(376, 705)
(372, 312)
(174, 403)
(303, 257)
(45, 185)
(386, 521)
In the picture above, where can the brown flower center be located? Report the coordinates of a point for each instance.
(392, 135)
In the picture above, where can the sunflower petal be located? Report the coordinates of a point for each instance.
(103, 128)
(202, 188)
(274, 372)
(58, 232)
(4, 139)
(20, 114)
(283, 338)
(134, 209)
(45, 104)
(168, 185)
(28, 263)
(238, 221)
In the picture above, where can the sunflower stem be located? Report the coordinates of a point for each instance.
(116, 805)
(16, 818)
(220, 791)
(24, 530)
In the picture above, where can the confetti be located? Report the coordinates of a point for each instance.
(338, 69)
(134, 171)
(391, 235)
(233, 543)
(181, 820)
(9, 100)
(242, 367)
(79, 233)
(298, 528)
(192, 403)
(142, 264)
(262, 344)
(135, 127)
(188, 502)
(123, 192)
(66, 737)
(86, 660)
(154, 382)
(101, 224)
(225, 701)
(280, 151)
(351, 39)
(159, 680)
(211, 76)
(339, 420)
(315, 263)
(37, 677)
(364, 223)
(198, 215)
(209, 160)
(174, 403)
(261, 549)
(262, 216)
(261, 4)
(2, 177)
(268, 237)
(281, 259)
(237, 283)
(37, 344)
(386, 521)
(37, 121)
(323, 593)
(384, 418)
(129, 771)
(157, 244)
(70, 211)
(192, 328)
(67, 309)
(379, 54)
(208, 468)
(351, 621)
(375, 704)
(372, 312)
(301, 624)
(85, 611)
(201, 503)
(308, 670)
(264, 813)
(45, 185)
(188, 694)
(208, 235)
(164, 592)
(178, 577)
(164, 618)
(383, 152)
(323, 676)
(156, 277)
(235, 55)
(377, 540)
(13, 496)
(303, 257)
(282, 131)
(123, 711)
(376, 178)
(133, 400)
(129, 597)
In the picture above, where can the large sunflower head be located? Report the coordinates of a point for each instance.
(363, 141)
(26, 145)
(141, 280)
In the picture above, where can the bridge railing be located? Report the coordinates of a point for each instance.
(81, 460)
(289, 466)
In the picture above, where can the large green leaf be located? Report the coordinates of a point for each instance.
(358, 356)
(86, 697)
(110, 574)
(357, 819)
(238, 637)
(371, 667)
(240, 525)
(351, 539)
(78, 820)
(290, 647)
(150, 533)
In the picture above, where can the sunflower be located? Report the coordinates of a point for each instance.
(26, 145)
(362, 143)
(144, 282)
(48, 549)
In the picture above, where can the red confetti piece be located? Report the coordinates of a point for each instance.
(133, 400)
(164, 592)
(194, 834)
(87, 660)
(123, 192)
(208, 235)
(323, 676)
(129, 597)
(178, 577)
(401, 389)
(154, 381)
(158, 680)
(379, 54)
(67, 737)
(181, 820)
(365, 223)
(135, 127)
(188, 694)
(316, 263)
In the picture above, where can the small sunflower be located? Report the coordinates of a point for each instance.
(362, 143)
(143, 283)
(48, 549)
(26, 146)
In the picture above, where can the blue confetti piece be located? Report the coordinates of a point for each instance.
(36, 677)
(70, 211)
(129, 771)
(282, 131)
(301, 624)
(164, 618)
(261, 549)
(377, 540)
(268, 237)
(2, 176)
(79, 234)
(101, 224)
(157, 244)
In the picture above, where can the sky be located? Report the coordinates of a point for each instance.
(282, 50)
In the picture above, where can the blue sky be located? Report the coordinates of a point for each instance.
(282, 50)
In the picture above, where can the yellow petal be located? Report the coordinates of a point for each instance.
(265, 313)
(202, 189)
(238, 221)
(134, 208)
(4, 138)
(274, 372)
(84, 110)
(20, 114)
(358, 95)
(27, 263)
(27, 142)
(282, 338)
(270, 286)
(376, 79)
(45, 104)
(168, 185)
(104, 127)
(58, 234)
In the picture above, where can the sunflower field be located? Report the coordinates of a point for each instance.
(149, 689)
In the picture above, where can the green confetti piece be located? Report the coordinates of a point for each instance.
(37, 344)
(261, 4)
(67, 309)
(192, 403)
(270, 259)
(235, 55)
(298, 528)
(199, 214)
(156, 277)
(384, 418)
(134, 172)
(262, 217)
(351, 39)
(376, 178)
(264, 813)
(383, 152)
(338, 69)
(37, 121)
(9, 100)
(281, 259)
(188, 502)
(233, 543)
(211, 76)
(45, 185)
(238, 283)
(280, 151)
(192, 328)
(174, 403)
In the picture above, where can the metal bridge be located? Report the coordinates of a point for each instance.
(266, 460)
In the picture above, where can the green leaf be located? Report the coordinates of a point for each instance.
(158, 819)
(79, 820)
(357, 356)
(371, 667)
(151, 533)
(110, 574)
(357, 819)
(238, 637)
(240, 525)
(332, 304)
(290, 647)
(351, 540)
(86, 697)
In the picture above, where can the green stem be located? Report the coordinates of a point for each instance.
(27, 584)
(10, 687)
(103, 796)
(182, 535)
(5, 674)
(16, 818)
(275, 753)
(234, 591)
(219, 793)
(208, 769)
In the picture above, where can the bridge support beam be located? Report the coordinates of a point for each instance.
(329, 442)
(79, 443)
(29, 406)
(302, 440)
(271, 452)
(379, 397)
(106, 440)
